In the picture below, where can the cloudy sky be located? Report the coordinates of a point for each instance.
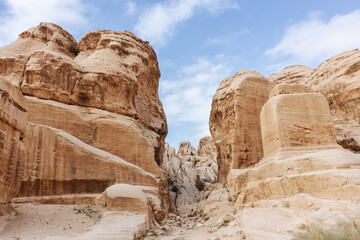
(201, 42)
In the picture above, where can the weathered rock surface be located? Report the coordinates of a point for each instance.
(110, 70)
(289, 88)
(338, 79)
(347, 134)
(302, 167)
(235, 120)
(95, 119)
(69, 166)
(293, 121)
(292, 74)
(190, 171)
(13, 121)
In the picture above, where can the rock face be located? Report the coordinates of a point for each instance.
(94, 119)
(338, 79)
(292, 74)
(303, 173)
(75, 166)
(299, 123)
(57, 68)
(235, 122)
(291, 121)
(13, 120)
(189, 172)
(302, 168)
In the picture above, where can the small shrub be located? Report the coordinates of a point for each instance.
(316, 231)
(200, 185)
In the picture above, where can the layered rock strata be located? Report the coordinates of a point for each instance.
(13, 121)
(338, 79)
(293, 121)
(95, 118)
(235, 122)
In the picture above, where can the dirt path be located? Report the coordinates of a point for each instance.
(193, 228)
(41, 221)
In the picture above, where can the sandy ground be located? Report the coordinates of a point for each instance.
(41, 221)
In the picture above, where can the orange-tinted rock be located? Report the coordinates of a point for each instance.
(13, 121)
(110, 70)
(111, 132)
(46, 37)
(235, 120)
(98, 96)
(58, 163)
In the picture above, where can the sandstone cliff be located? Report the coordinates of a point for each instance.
(302, 175)
(94, 118)
(13, 120)
(234, 120)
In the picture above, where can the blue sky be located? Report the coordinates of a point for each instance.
(201, 42)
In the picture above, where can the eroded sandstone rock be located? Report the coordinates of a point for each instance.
(295, 121)
(95, 118)
(292, 74)
(68, 166)
(110, 70)
(235, 120)
(338, 79)
(13, 122)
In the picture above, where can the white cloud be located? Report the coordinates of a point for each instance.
(158, 23)
(315, 39)
(187, 97)
(23, 14)
(227, 38)
(131, 8)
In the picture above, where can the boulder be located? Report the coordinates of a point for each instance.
(296, 121)
(235, 120)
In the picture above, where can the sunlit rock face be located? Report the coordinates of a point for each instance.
(303, 173)
(235, 120)
(94, 117)
(13, 121)
(338, 79)
(296, 120)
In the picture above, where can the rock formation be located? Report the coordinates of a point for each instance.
(303, 175)
(292, 74)
(234, 120)
(298, 120)
(94, 119)
(13, 120)
(338, 79)
(190, 171)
